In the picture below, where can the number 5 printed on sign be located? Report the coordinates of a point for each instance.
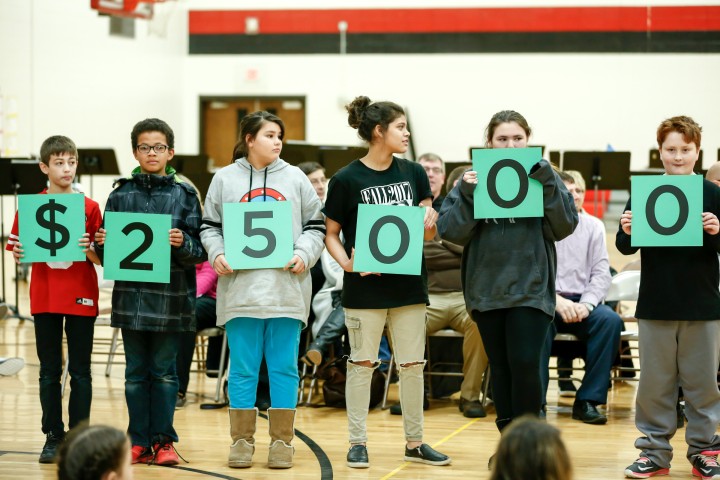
(50, 227)
(258, 234)
(137, 248)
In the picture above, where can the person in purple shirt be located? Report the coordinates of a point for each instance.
(583, 279)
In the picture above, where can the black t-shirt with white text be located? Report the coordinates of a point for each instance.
(403, 183)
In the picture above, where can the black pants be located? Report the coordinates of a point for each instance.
(514, 339)
(48, 339)
(206, 318)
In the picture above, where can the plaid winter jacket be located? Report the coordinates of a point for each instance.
(159, 307)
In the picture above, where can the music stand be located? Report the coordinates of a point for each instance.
(295, 152)
(25, 178)
(190, 163)
(96, 161)
(609, 169)
(335, 158)
(201, 180)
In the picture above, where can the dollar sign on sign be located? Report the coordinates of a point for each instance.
(54, 244)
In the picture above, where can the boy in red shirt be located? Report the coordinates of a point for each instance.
(63, 290)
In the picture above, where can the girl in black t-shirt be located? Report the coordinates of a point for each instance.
(371, 300)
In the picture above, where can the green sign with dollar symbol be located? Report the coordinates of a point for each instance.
(50, 227)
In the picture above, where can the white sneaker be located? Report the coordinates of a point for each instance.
(11, 366)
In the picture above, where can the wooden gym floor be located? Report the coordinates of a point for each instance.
(597, 452)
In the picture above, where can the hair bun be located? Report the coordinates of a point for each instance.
(356, 110)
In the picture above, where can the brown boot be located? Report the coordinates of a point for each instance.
(242, 431)
(282, 429)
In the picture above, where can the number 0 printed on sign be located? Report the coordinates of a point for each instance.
(50, 227)
(137, 247)
(504, 189)
(258, 234)
(389, 239)
(666, 211)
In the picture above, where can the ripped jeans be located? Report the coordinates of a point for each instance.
(406, 326)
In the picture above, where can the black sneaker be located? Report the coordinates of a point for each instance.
(426, 454)
(472, 408)
(645, 468)
(357, 457)
(706, 466)
(52, 442)
(567, 388)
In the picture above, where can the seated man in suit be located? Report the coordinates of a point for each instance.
(583, 280)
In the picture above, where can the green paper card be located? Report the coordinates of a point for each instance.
(50, 227)
(258, 234)
(389, 239)
(137, 247)
(504, 189)
(667, 211)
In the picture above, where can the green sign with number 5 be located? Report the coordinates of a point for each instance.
(258, 234)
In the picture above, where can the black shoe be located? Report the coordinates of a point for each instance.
(680, 408)
(588, 413)
(52, 442)
(567, 388)
(472, 408)
(357, 457)
(397, 409)
(543, 412)
(426, 454)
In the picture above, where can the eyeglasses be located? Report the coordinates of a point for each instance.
(159, 148)
(435, 170)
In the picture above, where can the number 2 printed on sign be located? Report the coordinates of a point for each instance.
(137, 247)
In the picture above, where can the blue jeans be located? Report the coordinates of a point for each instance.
(278, 339)
(600, 332)
(151, 385)
(48, 340)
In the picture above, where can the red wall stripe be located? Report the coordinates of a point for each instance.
(487, 20)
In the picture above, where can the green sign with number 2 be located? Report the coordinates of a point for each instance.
(137, 247)
(258, 234)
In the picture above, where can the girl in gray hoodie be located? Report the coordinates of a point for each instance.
(263, 309)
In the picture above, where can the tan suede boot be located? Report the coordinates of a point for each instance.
(282, 430)
(242, 431)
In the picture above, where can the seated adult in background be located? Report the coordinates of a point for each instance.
(206, 279)
(316, 174)
(582, 282)
(447, 304)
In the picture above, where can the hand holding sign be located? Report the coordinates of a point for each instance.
(504, 189)
(710, 223)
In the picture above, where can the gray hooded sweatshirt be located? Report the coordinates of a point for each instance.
(265, 293)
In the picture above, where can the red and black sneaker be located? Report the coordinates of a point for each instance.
(705, 466)
(645, 468)
(141, 454)
(165, 454)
